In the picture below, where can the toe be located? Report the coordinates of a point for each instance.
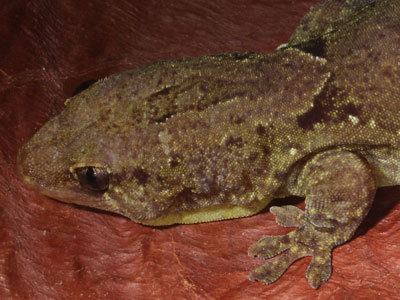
(270, 246)
(320, 269)
(274, 268)
(288, 215)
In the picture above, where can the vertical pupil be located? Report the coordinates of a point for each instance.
(95, 179)
(90, 175)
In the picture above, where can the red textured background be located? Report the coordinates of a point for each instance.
(50, 249)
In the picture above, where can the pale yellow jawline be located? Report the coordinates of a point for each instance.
(206, 215)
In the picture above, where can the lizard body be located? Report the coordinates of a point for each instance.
(217, 137)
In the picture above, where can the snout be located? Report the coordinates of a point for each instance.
(37, 164)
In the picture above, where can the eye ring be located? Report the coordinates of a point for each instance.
(93, 178)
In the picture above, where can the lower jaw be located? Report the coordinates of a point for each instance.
(223, 212)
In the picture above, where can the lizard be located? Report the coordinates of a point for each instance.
(218, 137)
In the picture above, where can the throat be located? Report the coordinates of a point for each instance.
(209, 214)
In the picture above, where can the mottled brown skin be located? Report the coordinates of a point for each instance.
(218, 137)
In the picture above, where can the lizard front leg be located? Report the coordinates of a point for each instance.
(339, 187)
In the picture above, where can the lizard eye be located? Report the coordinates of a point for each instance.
(93, 178)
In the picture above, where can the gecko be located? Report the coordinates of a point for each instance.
(218, 137)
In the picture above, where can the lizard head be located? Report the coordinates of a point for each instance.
(96, 153)
(110, 149)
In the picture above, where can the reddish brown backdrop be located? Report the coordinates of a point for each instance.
(48, 49)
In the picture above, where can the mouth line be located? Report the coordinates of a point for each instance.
(61, 194)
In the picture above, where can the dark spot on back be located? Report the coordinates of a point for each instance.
(235, 119)
(322, 105)
(253, 156)
(234, 142)
(315, 47)
(141, 176)
(389, 74)
(159, 178)
(83, 86)
(163, 118)
(174, 161)
(246, 181)
(165, 91)
(266, 150)
(202, 88)
(261, 130)
(352, 109)
(185, 199)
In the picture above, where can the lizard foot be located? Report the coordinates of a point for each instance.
(307, 240)
(339, 187)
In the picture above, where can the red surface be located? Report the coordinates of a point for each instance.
(50, 249)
